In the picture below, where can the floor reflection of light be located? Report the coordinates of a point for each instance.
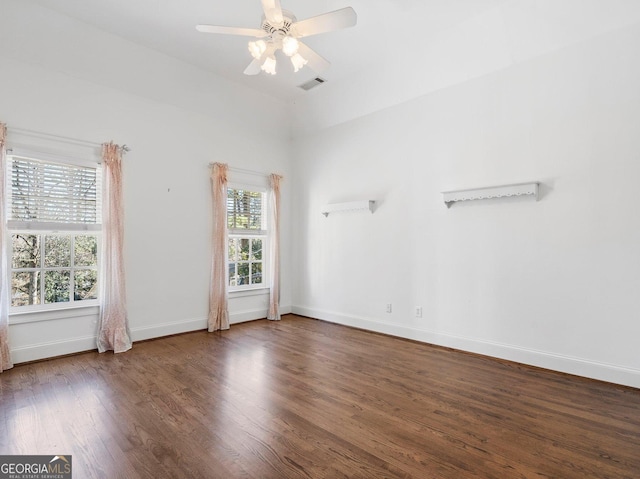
(247, 373)
(59, 416)
(249, 370)
(23, 424)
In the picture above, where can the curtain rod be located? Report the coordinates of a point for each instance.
(243, 170)
(67, 139)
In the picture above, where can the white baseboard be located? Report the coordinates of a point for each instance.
(543, 359)
(167, 329)
(247, 315)
(34, 352)
(253, 314)
(185, 326)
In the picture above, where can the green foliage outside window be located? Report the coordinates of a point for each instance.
(53, 268)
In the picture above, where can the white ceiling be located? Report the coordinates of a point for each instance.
(168, 26)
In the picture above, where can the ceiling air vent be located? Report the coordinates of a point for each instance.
(312, 83)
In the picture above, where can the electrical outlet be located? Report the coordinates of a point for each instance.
(418, 311)
(389, 308)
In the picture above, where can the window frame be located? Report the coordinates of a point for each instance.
(44, 311)
(250, 234)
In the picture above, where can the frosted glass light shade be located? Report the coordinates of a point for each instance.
(269, 65)
(298, 62)
(289, 46)
(257, 48)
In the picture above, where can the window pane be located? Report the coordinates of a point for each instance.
(256, 273)
(256, 249)
(86, 284)
(56, 286)
(86, 250)
(233, 247)
(25, 288)
(57, 251)
(243, 273)
(26, 251)
(244, 248)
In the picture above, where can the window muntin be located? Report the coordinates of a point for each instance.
(53, 268)
(246, 222)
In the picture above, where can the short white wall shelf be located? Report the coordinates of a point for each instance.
(516, 189)
(349, 206)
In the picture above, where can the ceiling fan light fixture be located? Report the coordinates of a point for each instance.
(289, 46)
(280, 30)
(269, 65)
(298, 61)
(257, 48)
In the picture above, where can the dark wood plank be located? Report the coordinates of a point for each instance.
(302, 398)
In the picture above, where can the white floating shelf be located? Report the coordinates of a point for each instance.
(518, 189)
(349, 206)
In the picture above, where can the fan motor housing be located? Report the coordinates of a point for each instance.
(279, 30)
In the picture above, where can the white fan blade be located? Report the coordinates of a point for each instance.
(327, 22)
(254, 67)
(316, 62)
(247, 32)
(273, 11)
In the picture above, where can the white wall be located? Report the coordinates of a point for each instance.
(552, 283)
(62, 77)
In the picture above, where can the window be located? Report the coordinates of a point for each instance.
(247, 238)
(53, 219)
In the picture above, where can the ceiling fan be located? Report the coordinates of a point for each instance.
(280, 30)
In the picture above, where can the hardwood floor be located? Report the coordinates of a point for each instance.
(302, 398)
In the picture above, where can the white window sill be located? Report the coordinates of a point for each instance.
(241, 293)
(22, 317)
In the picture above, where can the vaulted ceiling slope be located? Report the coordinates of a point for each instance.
(399, 49)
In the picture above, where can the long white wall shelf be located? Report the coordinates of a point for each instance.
(517, 189)
(349, 206)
